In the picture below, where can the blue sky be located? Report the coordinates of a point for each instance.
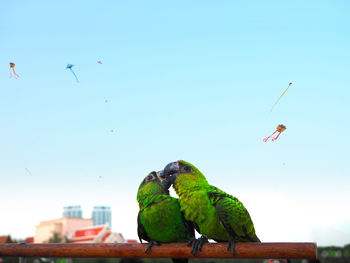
(192, 80)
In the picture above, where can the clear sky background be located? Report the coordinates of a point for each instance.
(191, 80)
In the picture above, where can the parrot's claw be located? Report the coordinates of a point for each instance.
(231, 245)
(148, 248)
(190, 242)
(197, 244)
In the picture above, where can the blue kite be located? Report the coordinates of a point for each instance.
(69, 66)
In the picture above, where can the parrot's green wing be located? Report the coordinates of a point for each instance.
(233, 215)
(190, 226)
(141, 232)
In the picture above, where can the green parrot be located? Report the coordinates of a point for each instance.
(216, 215)
(160, 219)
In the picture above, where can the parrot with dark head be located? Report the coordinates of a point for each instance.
(216, 215)
(160, 219)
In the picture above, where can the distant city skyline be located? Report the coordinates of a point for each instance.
(72, 211)
(73, 221)
(102, 215)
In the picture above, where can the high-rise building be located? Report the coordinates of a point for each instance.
(73, 211)
(102, 215)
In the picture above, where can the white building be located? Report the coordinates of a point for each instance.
(96, 234)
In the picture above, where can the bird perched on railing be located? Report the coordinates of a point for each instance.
(160, 219)
(216, 215)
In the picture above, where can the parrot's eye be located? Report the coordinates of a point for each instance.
(149, 178)
(187, 169)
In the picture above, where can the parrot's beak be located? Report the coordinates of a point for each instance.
(159, 175)
(166, 184)
(169, 174)
(170, 169)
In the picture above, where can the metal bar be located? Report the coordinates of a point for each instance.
(173, 250)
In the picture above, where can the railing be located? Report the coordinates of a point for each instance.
(173, 250)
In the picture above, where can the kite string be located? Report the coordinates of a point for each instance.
(280, 97)
(74, 75)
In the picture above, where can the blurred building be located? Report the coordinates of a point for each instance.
(96, 234)
(102, 215)
(132, 241)
(64, 227)
(29, 240)
(73, 211)
(5, 239)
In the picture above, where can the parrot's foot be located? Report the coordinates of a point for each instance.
(231, 245)
(148, 248)
(197, 244)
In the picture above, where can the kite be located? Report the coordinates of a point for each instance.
(290, 84)
(280, 128)
(28, 171)
(99, 62)
(12, 66)
(69, 66)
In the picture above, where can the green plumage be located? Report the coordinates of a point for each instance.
(216, 214)
(160, 218)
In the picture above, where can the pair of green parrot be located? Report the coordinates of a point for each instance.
(213, 213)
